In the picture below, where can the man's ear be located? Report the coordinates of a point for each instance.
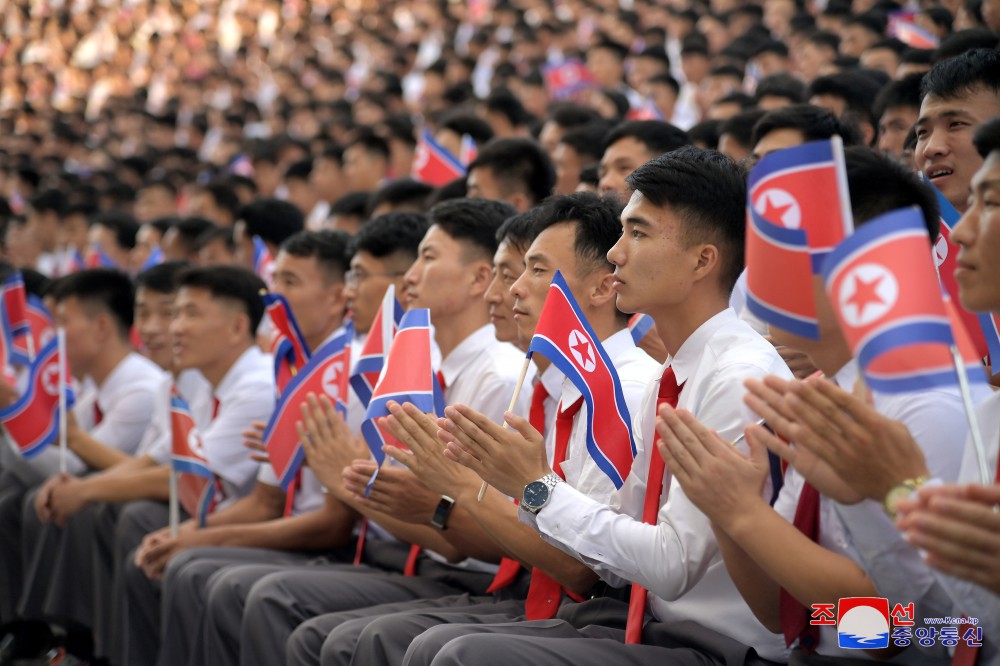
(707, 261)
(482, 276)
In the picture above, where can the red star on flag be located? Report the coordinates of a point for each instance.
(865, 294)
(773, 213)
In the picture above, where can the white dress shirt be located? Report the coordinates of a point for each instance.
(898, 569)
(126, 399)
(482, 372)
(552, 379)
(636, 371)
(677, 559)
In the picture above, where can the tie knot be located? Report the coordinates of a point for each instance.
(539, 394)
(669, 389)
(567, 412)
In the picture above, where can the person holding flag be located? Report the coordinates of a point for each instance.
(786, 558)
(677, 259)
(217, 311)
(574, 232)
(290, 522)
(449, 277)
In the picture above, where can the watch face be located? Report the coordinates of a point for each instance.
(535, 494)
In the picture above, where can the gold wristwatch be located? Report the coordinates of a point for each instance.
(899, 492)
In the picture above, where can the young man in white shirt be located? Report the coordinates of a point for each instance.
(218, 310)
(679, 255)
(450, 277)
(108, 421)
(763, 548)
(571, 234)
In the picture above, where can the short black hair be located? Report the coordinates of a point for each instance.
(857, 89)
(474, 221)
(190, 230)
(107, 288)
(569, 114)
(892, 44)
(961, 75)
(899, 93)
(121, 224)
(161, 278)
(213, 233)
(598, 224)
(273, 220)
(517, 230)
(917, 57)
(666, 79)
(964, 41)
(815, 124)
(659, 137)
(223, 194)
(371, 142)
(461, 122)
(587, 140)
(352, 203)
(330, 249)
(229, 283)
(740, 126)
(824, 38)
(518, 164)
(506, 103)
(774, 46)
(51, 200)
(707, 191)
(781, 85)
(391, 233)
(299, 170)
(401, 192)
(619, 50)
(987, 137)
(880, 184)
(706, 132)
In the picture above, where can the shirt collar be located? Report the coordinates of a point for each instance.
(552, 380)
(847, 376)
(244, 364)
(466, 352)
(685, 361)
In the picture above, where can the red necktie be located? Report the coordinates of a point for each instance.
(98, 414)
(669, 391)
(215, 407)
(965, 654)
(544, 593)
(509, 568)
(794, 616)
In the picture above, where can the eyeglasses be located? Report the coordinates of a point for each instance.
(353, 278)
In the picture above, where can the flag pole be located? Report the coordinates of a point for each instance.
(970, 413)
(174, 508)
(513, 402)
(61, 349)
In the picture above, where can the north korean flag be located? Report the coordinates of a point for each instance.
(983, 333)
(263, 262)
(433, 163)
(888, 300)
(42, 330)
(288, 345)
(155, 258)
(98, 258)
(639, 325)
(805, 188)
(408, 377)
(13, 317)
(779, 277)
(198, 489)
(369, 366)
(33, 420)
(568, 78)
(564, 336)
(325, 373)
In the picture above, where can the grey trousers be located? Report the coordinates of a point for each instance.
(590, 633)
(188, 586)
(138, 615)
(279, 602)
(12, 565)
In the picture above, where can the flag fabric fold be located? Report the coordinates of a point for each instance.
(564, 336)
(639, 325)
(33, 420)
(198, 489)
(436, 165)
(371, 361)
(288, 346)
(325, 373)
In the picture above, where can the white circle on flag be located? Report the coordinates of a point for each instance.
(867, 292)
(779, 207)
(194, 443)
(48, 335)
(582, 350)
(330, 376)
(420, 157)
(50, 379)
(940, 251)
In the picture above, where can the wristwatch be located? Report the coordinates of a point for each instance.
(441, 513)
(537, 493)
(899, 492)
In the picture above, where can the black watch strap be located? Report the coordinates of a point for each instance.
(441, 513)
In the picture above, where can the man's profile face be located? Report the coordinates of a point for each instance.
(620, 159)
(978, 237)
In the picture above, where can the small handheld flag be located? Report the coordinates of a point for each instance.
(155, 258)
(263, 262)
(98, 258)
(564, 336)
(568, 78)
(43, 329)
(434, 164)
(408, 377)
(33, 420)
(325, 373)
(13, 319)
(198, 489)
(805, 188)
(639, 325)
(288, 346)
(368, 368)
